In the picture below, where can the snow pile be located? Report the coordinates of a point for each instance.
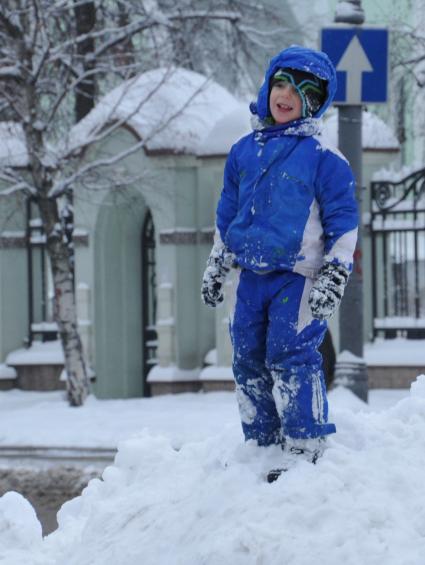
(208, 503)
(399, 352)
(171, 109)
(172, 374)
(376, 134)
(6, 372)
(47, 353)
(348, 357)
(217, 373)
(347, 10)
(20, 529)
(211, 357)
(397, 174)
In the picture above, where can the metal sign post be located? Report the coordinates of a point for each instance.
(360, 57)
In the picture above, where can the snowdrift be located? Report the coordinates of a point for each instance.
(208, 503)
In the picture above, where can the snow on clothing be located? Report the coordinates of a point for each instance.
(287, 206)
(276, 365)
(287, 201)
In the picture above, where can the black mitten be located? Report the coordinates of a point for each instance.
(218, 265)
(327, 290)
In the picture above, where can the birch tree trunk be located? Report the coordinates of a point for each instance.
(58, 250)
(64, 303)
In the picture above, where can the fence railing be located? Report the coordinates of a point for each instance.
(398, 256)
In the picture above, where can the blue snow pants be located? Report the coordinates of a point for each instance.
(276, 364)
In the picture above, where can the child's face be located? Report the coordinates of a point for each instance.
(285, 103)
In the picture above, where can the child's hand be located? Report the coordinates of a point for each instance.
(212, 289)
(218, 265)
(327, 290)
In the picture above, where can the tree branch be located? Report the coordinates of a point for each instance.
(61, 188)
(17, 183)
(14, 30)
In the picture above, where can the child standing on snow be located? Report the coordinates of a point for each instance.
(287, 219)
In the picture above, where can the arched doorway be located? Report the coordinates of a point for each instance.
(149, 301)
(117, 283)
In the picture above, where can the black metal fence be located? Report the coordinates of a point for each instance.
(40, 300)
(398, 256)
(150, 335)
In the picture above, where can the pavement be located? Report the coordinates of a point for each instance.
(50, 476)
(39, 456)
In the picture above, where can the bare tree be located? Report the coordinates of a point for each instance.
(408, 79)
(405, 22)
(56, 58)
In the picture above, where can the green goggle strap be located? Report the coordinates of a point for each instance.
(302, 88)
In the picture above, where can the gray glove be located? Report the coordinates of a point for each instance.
(219, 264)
(327, 290)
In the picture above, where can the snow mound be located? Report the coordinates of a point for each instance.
(20, 529)
(417, 389)
(347, 400)
(208, 502)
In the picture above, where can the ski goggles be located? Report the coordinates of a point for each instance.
(311, 89)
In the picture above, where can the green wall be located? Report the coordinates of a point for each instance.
(13, 277)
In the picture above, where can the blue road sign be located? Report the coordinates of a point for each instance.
(360, 55)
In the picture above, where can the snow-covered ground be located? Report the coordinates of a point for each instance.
(45, 418)
(206, 502)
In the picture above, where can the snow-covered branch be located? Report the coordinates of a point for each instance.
(12, 72)
(13, 103)
(15, 182)
(11, 24)
(226, 15)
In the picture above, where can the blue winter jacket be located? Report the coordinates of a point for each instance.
(288, 202)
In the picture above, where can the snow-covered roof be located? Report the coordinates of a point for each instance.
(172, 109)
(13, 152)
(180, 111)
(227, 131)
(376, 134)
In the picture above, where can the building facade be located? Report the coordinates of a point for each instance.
(140, 251)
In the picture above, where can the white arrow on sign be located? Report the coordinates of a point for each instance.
(354, 62)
